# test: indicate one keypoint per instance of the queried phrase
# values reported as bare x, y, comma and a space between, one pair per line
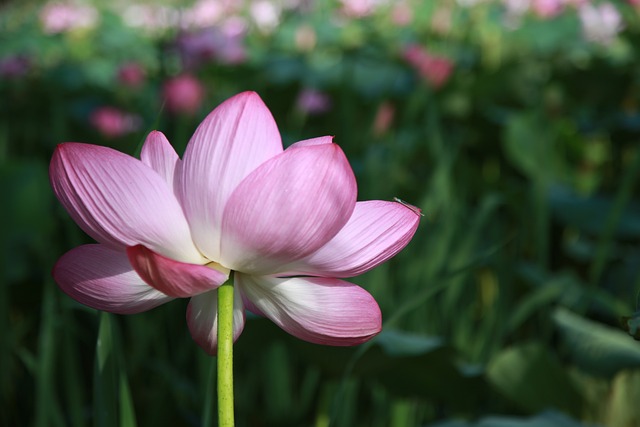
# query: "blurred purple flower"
183, 94
14, 66
435, 69
224, 44
131, 74
312, 101
112, 122
600, 23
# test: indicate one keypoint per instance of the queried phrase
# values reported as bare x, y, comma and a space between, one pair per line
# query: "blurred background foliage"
514, 125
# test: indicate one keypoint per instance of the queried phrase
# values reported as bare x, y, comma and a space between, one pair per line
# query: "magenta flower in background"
286, 222
112, 122
183, 94
131, 74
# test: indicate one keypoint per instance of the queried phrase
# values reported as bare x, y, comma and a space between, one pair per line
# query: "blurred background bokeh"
513, 124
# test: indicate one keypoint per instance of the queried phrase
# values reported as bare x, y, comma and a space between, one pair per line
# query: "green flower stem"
225, 355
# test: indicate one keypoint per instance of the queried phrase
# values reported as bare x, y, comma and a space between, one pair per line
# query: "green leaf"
590, 214
545, 419
406, 364
528, 144
534, 379
595, 347
105, 376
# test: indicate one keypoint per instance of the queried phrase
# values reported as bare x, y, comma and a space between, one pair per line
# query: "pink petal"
287, 208
173, 278
101, 277
202, 319
318, 310
238, 136
376, 231
159, 155
313, 141
119, 201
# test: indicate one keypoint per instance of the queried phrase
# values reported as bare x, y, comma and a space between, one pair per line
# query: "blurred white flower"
470, 3
63, 17
203, 13
150, 17
601, 23
265, 14
548, 8
514, 9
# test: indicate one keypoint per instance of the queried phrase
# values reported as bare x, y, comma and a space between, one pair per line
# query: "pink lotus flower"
285, 222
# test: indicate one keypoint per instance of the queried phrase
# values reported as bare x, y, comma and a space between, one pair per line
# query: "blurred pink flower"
63, 17
285, 222
204, 13
305, 38
384, 118
183, 94
433, 68
441, 21
547, 8
600, 23
312, 101
358, 8
131, 74
401, 14
575, 3
112, 122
